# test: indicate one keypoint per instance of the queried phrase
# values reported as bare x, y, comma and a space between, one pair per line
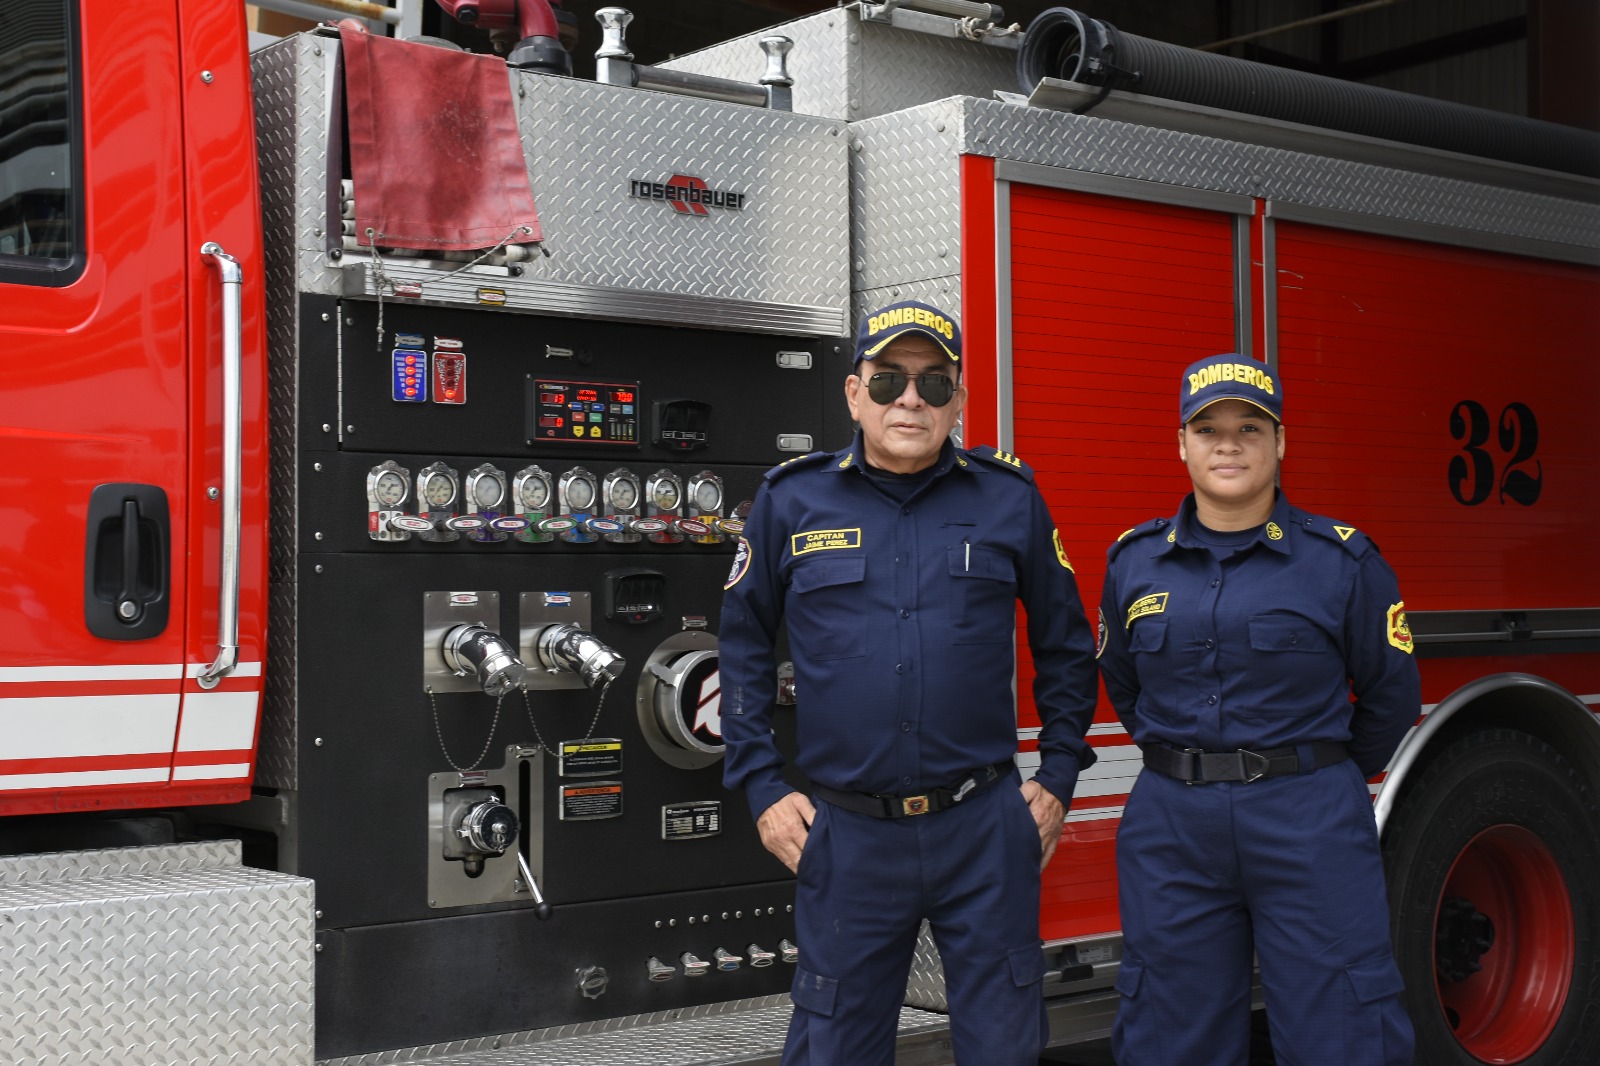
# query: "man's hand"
1048, 814
784, 826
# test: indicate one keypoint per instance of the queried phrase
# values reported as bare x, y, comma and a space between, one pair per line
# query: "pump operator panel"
513, 533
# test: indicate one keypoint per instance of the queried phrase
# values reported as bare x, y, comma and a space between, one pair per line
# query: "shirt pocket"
984, 586
829, 595
1280, 634
1147, 638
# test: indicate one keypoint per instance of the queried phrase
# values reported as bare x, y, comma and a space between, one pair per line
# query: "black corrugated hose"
1062, 43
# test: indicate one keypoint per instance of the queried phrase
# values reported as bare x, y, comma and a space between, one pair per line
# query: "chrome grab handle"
232, 279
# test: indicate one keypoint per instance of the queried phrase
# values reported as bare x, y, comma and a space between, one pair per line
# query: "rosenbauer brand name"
1243, 373
909, 316
686, 194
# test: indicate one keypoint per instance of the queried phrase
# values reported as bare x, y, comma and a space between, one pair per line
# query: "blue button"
1211, 699
904, 613
899, 668
905, 727
1211, 643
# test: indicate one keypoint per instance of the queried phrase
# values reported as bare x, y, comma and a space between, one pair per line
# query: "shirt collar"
1274, 534
855, 457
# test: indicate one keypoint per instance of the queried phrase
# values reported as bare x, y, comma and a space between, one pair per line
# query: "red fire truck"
358, 675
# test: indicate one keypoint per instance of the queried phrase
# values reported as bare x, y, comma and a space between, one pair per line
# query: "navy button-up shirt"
901, 615
1262, 648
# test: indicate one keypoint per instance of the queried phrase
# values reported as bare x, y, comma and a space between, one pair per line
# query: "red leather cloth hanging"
435, 157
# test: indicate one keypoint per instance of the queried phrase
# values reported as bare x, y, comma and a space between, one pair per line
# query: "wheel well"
1522, 702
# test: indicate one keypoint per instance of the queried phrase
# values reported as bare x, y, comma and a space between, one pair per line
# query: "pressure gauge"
705, 503
579, 494
438, 490
388, 485
663, 500
621, 494
486, 498
532, 493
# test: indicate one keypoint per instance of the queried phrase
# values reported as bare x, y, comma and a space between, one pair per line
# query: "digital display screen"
583, 412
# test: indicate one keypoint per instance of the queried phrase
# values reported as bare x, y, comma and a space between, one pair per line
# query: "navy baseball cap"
1230, 376
888, 323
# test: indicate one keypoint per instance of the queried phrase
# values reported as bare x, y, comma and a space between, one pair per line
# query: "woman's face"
1232, 450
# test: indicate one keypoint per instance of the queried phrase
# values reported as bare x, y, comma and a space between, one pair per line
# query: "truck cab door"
101, 487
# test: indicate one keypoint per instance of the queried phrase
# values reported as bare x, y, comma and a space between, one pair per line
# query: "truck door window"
40, 232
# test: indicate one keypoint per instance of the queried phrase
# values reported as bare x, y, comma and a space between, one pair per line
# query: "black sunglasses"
886, 386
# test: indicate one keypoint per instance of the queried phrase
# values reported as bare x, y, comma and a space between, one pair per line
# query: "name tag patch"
1154, 603
823, 540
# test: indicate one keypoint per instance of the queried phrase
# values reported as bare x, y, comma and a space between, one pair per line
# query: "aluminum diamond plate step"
721, 1035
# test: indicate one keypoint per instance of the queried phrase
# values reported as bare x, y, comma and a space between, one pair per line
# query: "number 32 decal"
1472, 474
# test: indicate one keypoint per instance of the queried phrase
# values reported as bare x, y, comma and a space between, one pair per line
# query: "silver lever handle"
232, 279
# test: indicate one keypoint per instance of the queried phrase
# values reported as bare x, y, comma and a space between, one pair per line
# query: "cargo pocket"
814, 993
1027, 964
1377, 1030
828, 590
1136, 1037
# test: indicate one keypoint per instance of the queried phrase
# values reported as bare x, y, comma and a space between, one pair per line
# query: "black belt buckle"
1252, 767
1194, 777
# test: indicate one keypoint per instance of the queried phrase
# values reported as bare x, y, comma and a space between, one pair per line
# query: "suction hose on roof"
1065, 44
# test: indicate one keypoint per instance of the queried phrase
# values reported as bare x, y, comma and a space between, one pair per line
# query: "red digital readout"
621, 395
588, 395
557, 398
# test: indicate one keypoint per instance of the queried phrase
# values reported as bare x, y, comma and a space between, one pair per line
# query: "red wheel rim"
1506, 1011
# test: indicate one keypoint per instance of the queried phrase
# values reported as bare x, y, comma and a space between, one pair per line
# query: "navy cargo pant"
865, 884
1288, 867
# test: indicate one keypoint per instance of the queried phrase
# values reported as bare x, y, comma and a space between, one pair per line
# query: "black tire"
1488, 787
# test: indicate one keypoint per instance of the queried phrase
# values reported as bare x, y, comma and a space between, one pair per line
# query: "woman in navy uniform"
896, 566
1259, 656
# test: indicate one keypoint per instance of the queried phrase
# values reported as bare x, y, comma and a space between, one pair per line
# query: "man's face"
904, 435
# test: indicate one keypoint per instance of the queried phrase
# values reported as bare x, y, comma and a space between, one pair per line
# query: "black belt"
882, 805
1195, 767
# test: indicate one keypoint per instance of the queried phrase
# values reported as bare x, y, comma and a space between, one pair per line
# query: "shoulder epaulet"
1355, 542
790, 465
1004, 460
1143, 529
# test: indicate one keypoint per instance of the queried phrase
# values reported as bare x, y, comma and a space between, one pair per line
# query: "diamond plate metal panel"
905, 193
925, 988
718, 1033
289, 102
849, 69
155, 957
585, 142
1102, 146
777, 265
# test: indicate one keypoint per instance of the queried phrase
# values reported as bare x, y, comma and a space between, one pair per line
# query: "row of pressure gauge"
536, 506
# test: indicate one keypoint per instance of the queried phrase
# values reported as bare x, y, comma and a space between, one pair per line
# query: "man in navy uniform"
1259, 656
896, 565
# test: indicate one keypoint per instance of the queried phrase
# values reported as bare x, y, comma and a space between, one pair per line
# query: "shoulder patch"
1143, 529
790, 465
1004, 460
1354, 541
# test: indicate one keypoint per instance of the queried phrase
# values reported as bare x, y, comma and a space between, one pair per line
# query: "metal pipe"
318, 10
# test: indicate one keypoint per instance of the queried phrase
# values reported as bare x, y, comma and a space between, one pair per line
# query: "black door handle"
126, 587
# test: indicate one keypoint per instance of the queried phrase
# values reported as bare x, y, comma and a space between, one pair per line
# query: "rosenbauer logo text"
688, 196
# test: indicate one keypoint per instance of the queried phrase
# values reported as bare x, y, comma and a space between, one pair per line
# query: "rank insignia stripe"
823, 540
1344, 532
1155, 603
